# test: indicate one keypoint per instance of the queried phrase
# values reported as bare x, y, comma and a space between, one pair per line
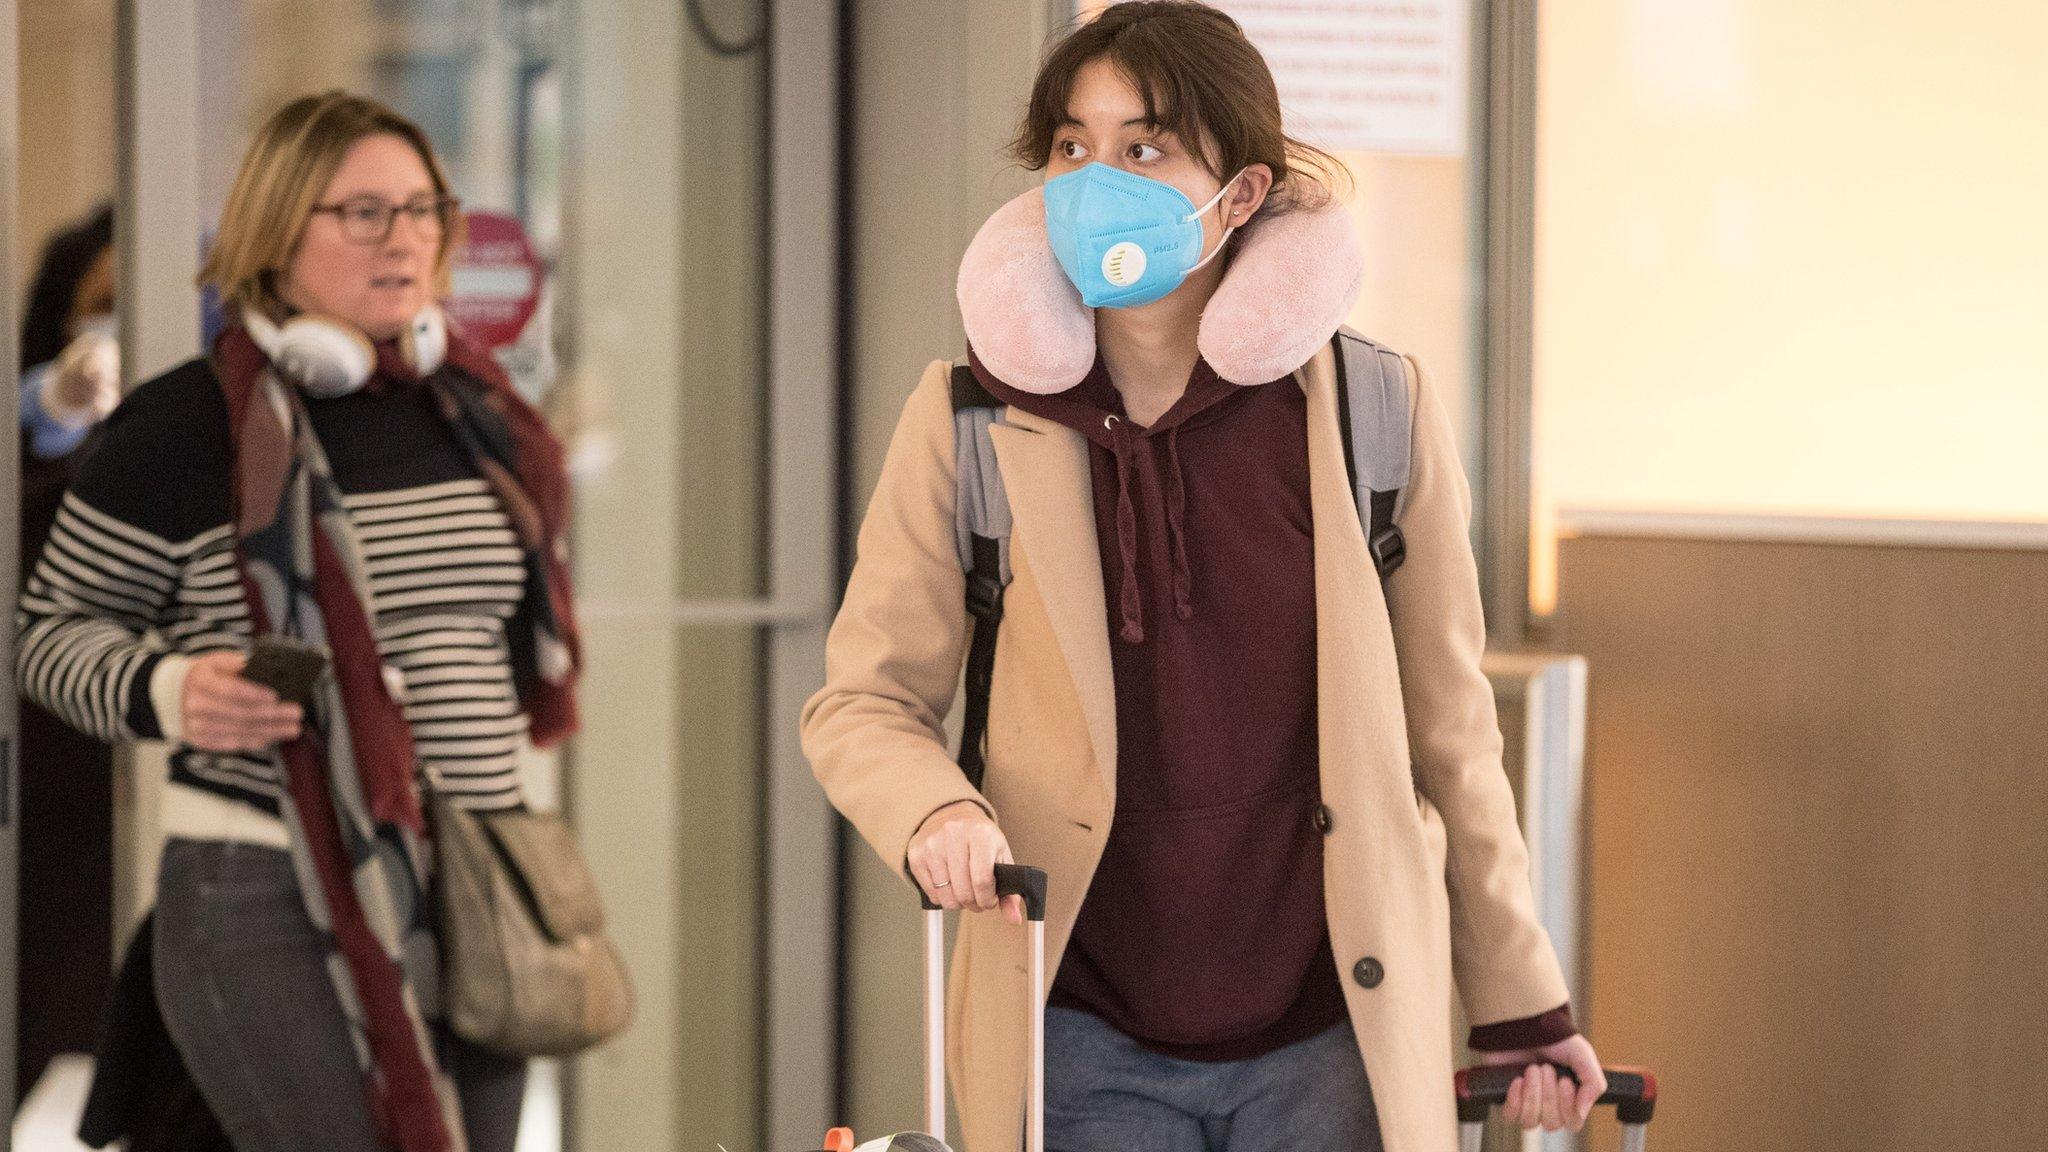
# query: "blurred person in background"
70, 380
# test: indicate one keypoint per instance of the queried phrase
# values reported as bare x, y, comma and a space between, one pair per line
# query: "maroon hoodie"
1203, 935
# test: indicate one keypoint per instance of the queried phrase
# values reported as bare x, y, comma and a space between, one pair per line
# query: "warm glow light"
1790, 259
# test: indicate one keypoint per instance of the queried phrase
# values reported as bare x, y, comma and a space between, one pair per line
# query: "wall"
1787, 290
1423, 274
67, 117
1817, 902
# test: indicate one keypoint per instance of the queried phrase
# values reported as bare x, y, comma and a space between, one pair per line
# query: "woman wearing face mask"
70, 380
1268, 793
70, 365
341, 470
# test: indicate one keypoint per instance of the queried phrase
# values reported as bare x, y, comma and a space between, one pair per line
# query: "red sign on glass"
497, 281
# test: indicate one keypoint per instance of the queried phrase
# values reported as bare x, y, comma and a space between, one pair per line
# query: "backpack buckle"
984, 596
1388, 549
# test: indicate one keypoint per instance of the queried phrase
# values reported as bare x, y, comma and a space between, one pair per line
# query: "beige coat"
1425, 869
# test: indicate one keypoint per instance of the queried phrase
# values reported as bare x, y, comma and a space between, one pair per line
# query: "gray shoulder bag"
529, 969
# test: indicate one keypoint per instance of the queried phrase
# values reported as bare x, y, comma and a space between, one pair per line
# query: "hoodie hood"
1094, 408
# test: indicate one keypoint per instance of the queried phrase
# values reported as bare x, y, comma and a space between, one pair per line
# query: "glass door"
656, 270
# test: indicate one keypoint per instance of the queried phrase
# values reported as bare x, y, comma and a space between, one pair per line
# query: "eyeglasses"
370, 219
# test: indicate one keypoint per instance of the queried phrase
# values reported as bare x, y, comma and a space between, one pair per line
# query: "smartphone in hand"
287, 667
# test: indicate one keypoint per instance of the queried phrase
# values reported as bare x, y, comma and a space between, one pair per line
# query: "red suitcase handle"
1632, 1091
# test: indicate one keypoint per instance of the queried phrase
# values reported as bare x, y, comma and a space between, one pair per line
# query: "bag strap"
1375, 416
981, 528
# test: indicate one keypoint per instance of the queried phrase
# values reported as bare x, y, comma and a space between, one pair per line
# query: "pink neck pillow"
1288, 287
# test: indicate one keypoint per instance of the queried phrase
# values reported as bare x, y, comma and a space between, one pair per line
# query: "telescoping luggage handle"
1632, 1091
1011, 880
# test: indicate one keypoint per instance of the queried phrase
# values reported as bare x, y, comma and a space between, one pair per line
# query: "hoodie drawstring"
1129, 603
1176, 525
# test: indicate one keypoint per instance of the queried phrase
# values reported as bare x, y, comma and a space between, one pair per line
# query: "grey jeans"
242, 983
1104, 1093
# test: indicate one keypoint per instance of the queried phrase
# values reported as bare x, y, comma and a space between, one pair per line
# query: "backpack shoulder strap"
980, 507
967, 391
981, 530
1376, 411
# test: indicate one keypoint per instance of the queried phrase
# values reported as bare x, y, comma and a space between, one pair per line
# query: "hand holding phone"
287, 667
222, 711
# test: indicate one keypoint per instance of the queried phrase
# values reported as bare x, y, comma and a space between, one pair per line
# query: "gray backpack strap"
1376, 412
980, 507
981, 530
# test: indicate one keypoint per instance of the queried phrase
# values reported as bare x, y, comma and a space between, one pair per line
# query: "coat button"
1368, 973
1323, 819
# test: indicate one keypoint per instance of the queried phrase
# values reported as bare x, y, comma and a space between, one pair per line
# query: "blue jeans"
1104, 1093
241, 981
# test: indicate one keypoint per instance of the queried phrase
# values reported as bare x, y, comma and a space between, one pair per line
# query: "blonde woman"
343, 472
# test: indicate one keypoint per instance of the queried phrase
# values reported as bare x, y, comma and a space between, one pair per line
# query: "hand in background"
86, 383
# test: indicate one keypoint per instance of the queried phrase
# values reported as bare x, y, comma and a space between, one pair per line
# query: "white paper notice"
1366, 75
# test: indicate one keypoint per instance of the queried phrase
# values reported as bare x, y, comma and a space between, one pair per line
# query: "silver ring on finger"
942, 883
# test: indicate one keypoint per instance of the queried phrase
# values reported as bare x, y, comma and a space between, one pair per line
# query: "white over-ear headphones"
330, 358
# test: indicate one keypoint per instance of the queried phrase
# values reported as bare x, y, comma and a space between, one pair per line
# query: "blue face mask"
1125, 239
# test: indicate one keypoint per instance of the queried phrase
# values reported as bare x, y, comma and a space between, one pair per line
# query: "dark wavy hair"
69, 254
1201, 80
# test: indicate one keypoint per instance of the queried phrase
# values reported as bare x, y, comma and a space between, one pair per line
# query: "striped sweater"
138, 577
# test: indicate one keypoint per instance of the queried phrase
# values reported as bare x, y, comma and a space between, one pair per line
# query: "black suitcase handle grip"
1011, 880
1632, 1091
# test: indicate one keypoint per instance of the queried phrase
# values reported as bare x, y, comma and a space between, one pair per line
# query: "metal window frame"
1508, 320
156, 244
1546, 695
800, 1050
10, 543
156, 219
